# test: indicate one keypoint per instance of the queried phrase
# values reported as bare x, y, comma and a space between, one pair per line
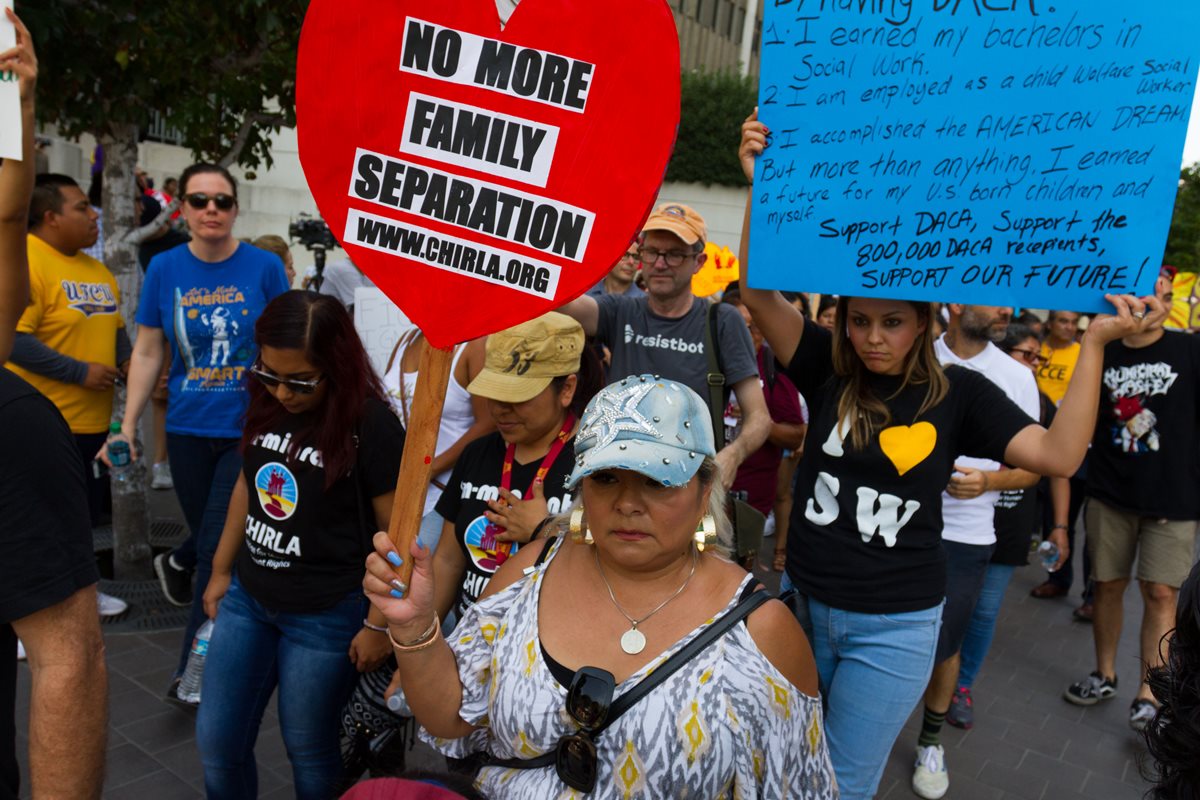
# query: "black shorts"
966, 568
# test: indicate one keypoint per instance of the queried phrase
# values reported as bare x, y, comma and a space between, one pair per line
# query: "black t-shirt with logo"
1144, 456
476, 480
304, 544
1017, 511
867, 524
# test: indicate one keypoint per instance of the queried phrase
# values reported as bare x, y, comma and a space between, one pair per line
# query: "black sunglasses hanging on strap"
574, 757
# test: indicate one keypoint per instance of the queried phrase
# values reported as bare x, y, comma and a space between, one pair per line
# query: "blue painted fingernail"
399, 595
394, 559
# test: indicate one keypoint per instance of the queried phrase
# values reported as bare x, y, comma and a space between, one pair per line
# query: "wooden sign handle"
420, 444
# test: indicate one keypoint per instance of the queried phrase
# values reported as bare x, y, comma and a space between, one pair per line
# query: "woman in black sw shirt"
321, 451
537, 378
865, 546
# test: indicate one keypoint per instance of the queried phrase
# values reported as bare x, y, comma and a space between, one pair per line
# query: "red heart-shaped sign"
481, 177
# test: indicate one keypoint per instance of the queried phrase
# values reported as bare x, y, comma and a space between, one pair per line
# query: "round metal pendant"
633, 641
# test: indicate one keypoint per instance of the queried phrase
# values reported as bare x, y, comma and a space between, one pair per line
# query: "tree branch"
252, 120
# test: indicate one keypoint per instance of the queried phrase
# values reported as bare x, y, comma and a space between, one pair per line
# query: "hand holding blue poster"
1023, 152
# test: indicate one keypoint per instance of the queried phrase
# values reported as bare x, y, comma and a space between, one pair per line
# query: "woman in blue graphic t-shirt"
201, 298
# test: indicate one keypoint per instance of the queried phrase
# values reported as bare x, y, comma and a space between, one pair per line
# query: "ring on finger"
1139, 314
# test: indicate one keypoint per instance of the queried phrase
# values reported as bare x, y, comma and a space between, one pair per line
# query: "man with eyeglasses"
664, 332
622, 278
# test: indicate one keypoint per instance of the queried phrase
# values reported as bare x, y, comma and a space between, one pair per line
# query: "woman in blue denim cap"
540, 672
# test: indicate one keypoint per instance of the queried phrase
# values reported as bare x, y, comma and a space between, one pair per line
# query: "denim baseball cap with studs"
647, 424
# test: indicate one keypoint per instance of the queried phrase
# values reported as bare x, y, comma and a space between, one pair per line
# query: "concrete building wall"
710, 33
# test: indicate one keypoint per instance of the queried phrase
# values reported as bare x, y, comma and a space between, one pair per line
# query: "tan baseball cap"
681, 220
522, 360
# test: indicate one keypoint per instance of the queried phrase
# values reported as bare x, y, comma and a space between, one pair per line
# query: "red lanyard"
560, 441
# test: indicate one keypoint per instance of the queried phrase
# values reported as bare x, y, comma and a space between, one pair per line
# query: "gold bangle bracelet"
421, 642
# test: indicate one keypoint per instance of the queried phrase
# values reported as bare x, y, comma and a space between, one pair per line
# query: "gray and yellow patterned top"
728, 724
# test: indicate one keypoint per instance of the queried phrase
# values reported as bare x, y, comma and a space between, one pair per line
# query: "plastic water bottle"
398, 704
189, 685
1048, 553
118, 452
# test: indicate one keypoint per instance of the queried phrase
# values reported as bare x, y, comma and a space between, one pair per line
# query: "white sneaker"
111, 606
769, 527
161, 476
930, 778
20, 650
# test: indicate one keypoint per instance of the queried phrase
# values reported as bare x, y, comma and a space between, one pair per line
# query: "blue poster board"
1000, 152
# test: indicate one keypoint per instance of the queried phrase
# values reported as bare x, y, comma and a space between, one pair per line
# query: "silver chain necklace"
633, 641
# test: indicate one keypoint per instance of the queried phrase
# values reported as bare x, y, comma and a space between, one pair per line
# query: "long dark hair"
588, 381
858, 403
319, 326
1173, 736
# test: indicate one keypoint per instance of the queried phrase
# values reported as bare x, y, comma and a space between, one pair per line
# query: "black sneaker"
1141, 714
1091, 690
176, 582
173, 695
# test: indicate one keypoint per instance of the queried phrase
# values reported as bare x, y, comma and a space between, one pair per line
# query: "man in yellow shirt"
1060, 351
71, 343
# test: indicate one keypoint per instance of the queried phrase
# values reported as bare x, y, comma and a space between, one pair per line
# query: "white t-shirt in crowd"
972, 521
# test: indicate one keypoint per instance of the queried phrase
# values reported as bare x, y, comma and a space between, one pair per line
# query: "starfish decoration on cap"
617, 412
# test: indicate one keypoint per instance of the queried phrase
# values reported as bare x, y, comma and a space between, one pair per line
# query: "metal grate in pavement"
148, 608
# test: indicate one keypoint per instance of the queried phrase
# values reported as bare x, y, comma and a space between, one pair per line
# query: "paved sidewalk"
1027, 742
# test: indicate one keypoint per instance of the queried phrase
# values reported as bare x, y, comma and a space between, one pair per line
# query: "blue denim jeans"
306, 655
873, 670
204, 470
982, 626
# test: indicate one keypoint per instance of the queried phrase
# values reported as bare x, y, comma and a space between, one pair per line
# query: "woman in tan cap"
537, 378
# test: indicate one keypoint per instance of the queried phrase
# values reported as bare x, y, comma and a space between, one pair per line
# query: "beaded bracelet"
421, 642
377, 628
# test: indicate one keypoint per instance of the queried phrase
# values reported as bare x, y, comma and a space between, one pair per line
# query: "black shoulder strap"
716, 377
745, 607
545, 552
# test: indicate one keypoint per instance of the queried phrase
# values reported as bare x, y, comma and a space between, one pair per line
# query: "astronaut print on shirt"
214, 337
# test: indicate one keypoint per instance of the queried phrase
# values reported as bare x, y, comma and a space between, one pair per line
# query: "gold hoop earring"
706, 532
580, 532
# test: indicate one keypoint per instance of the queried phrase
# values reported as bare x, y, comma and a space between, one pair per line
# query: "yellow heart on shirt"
906, 446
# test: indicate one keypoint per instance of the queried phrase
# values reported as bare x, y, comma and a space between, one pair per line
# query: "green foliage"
712, 108
1183, 242
222, 73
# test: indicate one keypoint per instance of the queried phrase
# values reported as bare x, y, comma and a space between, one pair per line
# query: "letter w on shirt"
885, 518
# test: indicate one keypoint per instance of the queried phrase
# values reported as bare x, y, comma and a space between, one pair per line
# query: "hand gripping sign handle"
420, 442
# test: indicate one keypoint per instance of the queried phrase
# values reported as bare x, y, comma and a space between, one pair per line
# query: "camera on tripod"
314, 234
